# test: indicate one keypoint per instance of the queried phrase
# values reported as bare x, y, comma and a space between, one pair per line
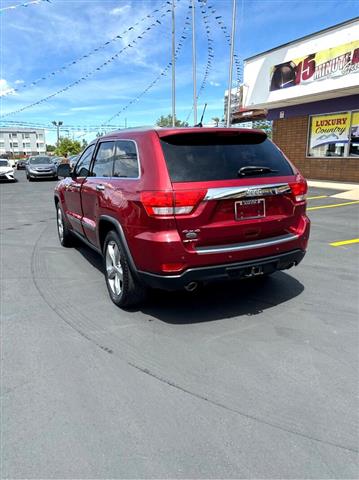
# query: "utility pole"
229, 100
173, 66
194, 63
57, 125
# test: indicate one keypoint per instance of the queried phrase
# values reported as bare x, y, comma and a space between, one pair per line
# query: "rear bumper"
245, 269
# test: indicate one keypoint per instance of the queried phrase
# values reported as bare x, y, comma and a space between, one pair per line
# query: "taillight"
299, 189
162, 203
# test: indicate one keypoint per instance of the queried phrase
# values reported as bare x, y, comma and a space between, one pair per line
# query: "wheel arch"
105, 225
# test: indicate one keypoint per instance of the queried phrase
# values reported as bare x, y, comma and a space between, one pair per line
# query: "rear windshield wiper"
255, 170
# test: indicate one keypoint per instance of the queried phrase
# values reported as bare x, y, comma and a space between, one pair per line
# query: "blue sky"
43, 37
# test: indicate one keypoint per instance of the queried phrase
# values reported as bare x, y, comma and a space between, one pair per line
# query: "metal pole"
173, 66
229, 100
58, 133
194, 63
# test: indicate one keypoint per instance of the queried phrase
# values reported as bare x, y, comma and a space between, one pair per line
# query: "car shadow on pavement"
218, 301
214, 301
90, 255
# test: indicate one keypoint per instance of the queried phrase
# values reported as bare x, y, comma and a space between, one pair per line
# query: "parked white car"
6, 170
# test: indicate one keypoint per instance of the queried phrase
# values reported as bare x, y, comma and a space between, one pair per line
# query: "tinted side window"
83, 165
104, 160
126, 162
205, 157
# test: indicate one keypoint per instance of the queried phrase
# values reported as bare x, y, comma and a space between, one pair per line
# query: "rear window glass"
206, 157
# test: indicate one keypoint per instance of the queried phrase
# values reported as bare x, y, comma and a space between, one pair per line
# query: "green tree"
265, 125
68, 146
167, 122
216, 120
84, 144
50, 148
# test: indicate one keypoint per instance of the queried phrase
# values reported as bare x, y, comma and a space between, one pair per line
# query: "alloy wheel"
60, 224
114, 268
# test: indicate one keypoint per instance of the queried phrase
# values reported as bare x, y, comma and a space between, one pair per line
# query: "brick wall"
290, 134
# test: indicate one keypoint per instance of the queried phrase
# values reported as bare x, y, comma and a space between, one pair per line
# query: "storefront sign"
332, 62
327, 129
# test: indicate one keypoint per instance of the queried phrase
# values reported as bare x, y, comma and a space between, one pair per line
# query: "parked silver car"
40, 167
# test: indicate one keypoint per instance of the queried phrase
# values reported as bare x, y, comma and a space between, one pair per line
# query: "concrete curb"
332, 185
350, 190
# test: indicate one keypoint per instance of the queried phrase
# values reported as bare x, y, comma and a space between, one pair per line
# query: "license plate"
248, 209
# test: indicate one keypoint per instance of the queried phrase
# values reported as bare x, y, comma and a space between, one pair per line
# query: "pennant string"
183, 36
76, 82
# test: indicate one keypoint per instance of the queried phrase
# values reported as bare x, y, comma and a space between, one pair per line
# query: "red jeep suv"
174, 207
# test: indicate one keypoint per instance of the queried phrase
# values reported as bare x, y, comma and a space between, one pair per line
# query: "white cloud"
5, 88
18, 82
214, 84
120, 10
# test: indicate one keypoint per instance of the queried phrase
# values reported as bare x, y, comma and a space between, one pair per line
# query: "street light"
57, 125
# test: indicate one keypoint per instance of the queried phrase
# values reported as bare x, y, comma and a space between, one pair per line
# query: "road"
256, 379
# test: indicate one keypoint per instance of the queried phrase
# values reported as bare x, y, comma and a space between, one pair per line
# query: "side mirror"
64, 170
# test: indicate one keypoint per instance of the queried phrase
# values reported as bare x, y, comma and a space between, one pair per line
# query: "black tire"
123, 287
66, 238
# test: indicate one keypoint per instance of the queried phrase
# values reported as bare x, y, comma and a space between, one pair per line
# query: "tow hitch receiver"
254, 271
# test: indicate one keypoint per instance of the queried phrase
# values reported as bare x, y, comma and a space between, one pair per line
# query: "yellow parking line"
345, 242
334, 205
319, 196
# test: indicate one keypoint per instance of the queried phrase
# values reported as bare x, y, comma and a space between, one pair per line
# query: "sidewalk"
350, 190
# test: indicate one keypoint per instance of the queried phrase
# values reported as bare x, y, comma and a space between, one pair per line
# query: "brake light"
162, 203
299, 190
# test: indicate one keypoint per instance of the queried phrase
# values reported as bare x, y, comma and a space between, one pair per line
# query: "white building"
22, 141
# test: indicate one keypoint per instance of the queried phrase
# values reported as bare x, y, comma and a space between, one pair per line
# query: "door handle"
100, 187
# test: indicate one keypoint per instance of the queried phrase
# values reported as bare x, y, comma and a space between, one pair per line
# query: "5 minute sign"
332, 62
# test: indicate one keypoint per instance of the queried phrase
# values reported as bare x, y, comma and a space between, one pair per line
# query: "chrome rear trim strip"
247, 191
247, 245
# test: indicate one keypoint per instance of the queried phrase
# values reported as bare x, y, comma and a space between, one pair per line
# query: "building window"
354, 135
39, 136
25, 135
329, 135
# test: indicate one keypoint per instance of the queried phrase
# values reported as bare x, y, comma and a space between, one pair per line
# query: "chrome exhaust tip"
191, 286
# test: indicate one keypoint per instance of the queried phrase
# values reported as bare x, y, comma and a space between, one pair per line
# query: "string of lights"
91, 72
163, 73
89, 53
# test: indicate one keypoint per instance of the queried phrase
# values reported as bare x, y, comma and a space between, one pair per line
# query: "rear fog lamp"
172, 267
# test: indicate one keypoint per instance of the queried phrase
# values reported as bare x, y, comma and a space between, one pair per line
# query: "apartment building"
16, 142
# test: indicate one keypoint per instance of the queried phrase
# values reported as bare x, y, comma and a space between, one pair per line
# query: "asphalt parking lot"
254, 379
